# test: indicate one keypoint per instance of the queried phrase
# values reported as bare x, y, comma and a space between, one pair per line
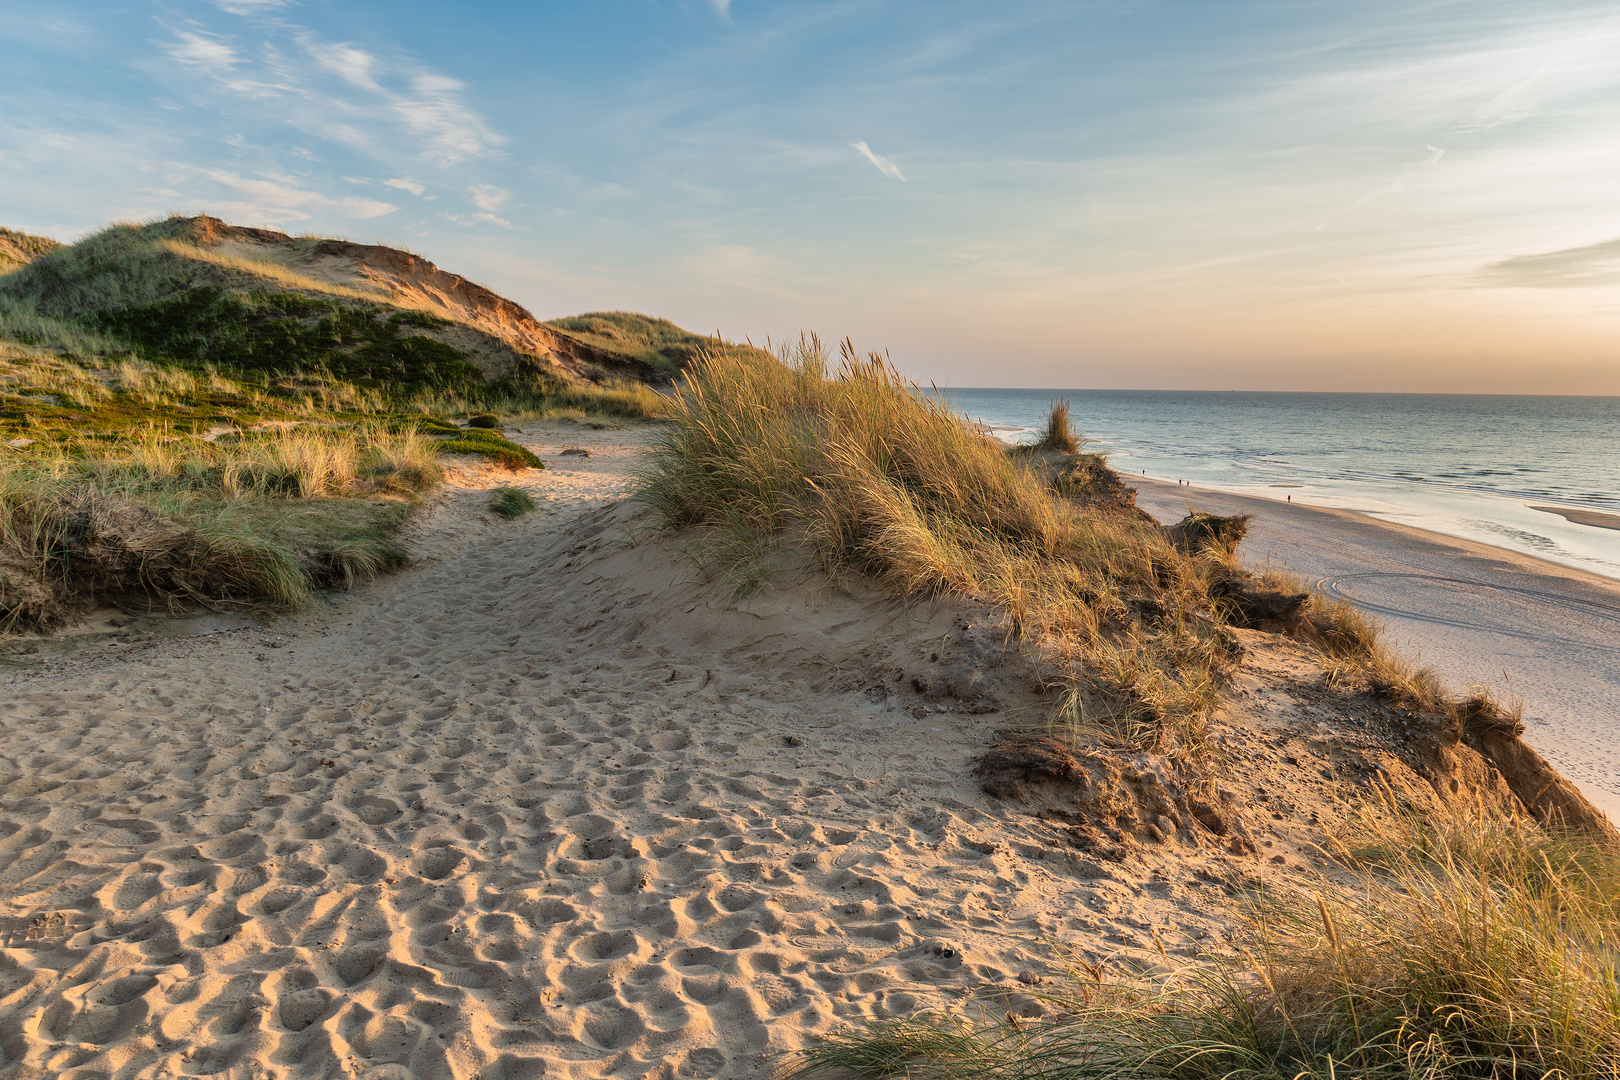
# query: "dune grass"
868, 476
511, 503
1464, 946
545, 397
254, 518
1058, 436
1356, 657
18, 249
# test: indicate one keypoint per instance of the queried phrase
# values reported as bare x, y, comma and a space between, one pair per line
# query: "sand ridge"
547, 805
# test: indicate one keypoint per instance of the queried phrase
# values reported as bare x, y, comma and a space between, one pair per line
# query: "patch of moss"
423, 423
492, 446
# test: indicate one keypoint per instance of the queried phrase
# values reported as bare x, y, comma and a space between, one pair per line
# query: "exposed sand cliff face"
409, 281
550, 805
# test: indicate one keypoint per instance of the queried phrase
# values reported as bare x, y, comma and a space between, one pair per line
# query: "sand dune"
547, 805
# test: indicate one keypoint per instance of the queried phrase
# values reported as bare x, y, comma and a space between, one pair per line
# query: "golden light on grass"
875, 478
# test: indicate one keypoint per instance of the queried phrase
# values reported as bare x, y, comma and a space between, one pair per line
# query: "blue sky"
1370, 195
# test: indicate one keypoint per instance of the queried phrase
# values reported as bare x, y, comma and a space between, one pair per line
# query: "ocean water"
1466, 465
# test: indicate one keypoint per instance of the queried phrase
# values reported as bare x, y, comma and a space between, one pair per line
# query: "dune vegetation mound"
659, 343
225, 380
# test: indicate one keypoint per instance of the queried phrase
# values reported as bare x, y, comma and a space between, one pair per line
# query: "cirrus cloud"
884, 165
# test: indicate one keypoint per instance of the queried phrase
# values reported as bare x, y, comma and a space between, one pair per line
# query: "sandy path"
477, 820
1471, 612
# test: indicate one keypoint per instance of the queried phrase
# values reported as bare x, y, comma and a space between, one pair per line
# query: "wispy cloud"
884, 165
202, 51
433, 110
405, 185
1570, 268
723, 7
354, 66
249, 7
278, 199
488, 197
343, 92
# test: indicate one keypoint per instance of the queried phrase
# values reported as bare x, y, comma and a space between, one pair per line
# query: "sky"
1300, 195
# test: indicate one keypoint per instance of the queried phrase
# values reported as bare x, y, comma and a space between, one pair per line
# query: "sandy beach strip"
1531, 629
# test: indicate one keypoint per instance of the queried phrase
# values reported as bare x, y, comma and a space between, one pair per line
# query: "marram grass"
511, 503
251, 518
869, 476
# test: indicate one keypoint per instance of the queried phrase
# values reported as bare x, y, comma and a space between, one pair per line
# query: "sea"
1465, 465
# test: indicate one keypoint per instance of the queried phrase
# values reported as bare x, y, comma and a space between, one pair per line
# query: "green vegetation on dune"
492, 445
153, 291
252, 518
656, 342
187, 421
282, 333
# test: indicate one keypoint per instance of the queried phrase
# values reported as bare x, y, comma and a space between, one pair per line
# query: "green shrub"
511, 503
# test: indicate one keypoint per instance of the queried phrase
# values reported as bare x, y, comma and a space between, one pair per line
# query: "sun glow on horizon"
1248, 195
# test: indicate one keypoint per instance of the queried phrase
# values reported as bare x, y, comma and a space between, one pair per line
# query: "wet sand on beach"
1595, 518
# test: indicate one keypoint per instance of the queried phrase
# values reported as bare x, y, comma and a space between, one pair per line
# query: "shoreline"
1596, 519
1480, 615
1434, 535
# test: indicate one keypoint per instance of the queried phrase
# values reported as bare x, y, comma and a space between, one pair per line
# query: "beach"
1479, 615
549, 803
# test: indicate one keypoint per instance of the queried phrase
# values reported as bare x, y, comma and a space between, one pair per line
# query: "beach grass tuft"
254, 518
511, 503
1058, 435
